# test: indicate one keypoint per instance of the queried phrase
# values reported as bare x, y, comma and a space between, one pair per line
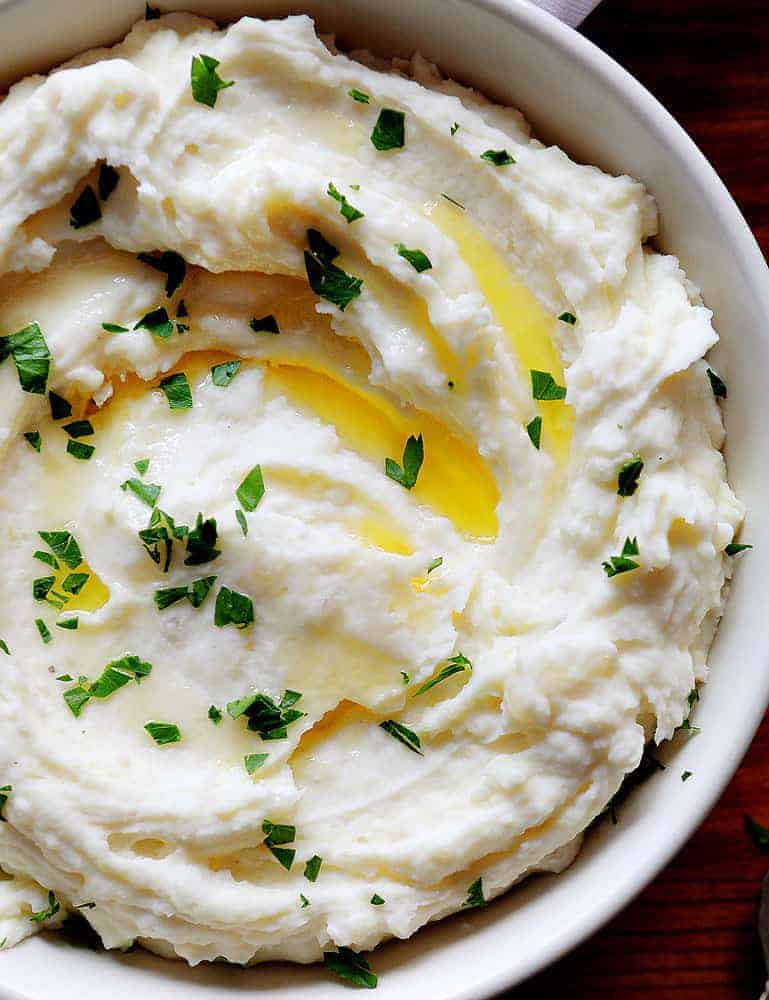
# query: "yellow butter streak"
526, 324
93, 596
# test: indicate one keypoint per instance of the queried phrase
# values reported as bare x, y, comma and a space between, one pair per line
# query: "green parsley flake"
759, 834
176, 389
253, 761
389, 130
34, 438
172, 265
413, 456
223, 374
455, 665
499, 157
351, 967
64, 677
158, 537
534, 430
86, 209
567, 317
434, 564
241, 519
80, 451
233, 609
74, 583
157, 322
267, 324
201, 542
142, 465
79, 428
405, 677
628, 475
41, 586
454, 128
417, 258
163, 732
312, 868
4, 647
206, 82
376, 900
114, 328
621, 563
195, 593
146, 492
215, 715
358, 95
305, 900
108, 181
264, 717
5, 791
475, 897
64, 546
50, 911
277, 835
349, 212
717, 385
686, 775
30, 355
251, 490
544, 386
42, 628
68, 623
405, 736
326, 279
733, 548
115, 675
60, 408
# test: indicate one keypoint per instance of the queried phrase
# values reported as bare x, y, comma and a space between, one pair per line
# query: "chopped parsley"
79, 428
70, 624
108, 180
405, 736
417, 258
351, 967
74, 583
5, 791
251, 490
64, 546
348, 211
30, 355
233, 608
42, 628
201, 542
64, 677
79, 450
413, 456
434, 564
325, 278
277, 835
205, 81
454, 128
312, 868
567, 317
50, 910
733, 548
376, 900
173, 266
115, 675
147, 492
685, 775
159, 535
41, 586
195, 593
86, 209
34, 438
176, 389
389, 130
114, 328
358, 95
60, 408
4, 647
628, 475
163, 732
157, 322
240, 517
544, 386
453, 201
622, 563
405, 677
534, 430
475, 895
758, 833
267, 324
264, 717
142, 465
305, 900
499, 157
717, 385
253, 761
215, 715
455, 665
223, 374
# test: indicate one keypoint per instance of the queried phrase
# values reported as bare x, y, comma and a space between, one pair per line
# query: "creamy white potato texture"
250, 300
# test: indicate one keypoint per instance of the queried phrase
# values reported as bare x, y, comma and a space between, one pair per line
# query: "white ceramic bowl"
576, 96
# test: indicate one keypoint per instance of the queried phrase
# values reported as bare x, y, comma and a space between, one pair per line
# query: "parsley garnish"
108, 178
376, 900
176, 389
253, 761
267, 324
115, 675
417, 258
163, 732
50, 911
627, 478
160, 533
42, 628
734, 547
621, 563
157, 322
114, 328
74, 583
215, 715
80, 451
251, 490
224, 373
5, 791
349, 212
567, 317
60, 408
358, 95
4, 647
499, 157
717, 385
453, 201
389, 130
233, 608
70, 624
79, 428
434, 564
405, 677
201, 542
63, 545
325, 278
142, 465
86, 209
455, 665
454, 128
195, 593
172, 265
534, 430
31, 357
413, 456
240, 517
206, 82
759, 834
312, 868
686, 775
544, 386
278, 834
34, 438
350, 966
475, 895
271, 721
305, 900
147, 492
405, 736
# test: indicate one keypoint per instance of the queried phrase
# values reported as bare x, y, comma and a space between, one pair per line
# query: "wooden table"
692, 934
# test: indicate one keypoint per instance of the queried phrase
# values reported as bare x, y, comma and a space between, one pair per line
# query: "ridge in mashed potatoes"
363, 507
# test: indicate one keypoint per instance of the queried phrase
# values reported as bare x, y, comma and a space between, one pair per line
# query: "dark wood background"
692, 934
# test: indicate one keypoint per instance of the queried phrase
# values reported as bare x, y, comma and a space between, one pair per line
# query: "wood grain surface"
692, 934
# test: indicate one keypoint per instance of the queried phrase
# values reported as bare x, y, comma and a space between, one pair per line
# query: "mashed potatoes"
362, 511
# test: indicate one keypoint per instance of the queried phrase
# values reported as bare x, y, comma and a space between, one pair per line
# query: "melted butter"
382, 534
527, 326
93, 596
